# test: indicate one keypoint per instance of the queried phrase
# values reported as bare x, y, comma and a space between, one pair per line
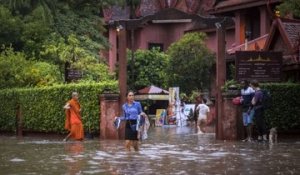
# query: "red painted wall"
212, 40
159, 33
165, 34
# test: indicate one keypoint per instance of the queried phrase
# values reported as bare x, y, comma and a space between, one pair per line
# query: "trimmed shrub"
8, 107
42, 108
284, 112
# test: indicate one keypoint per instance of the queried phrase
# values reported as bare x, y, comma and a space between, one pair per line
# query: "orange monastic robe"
73, 120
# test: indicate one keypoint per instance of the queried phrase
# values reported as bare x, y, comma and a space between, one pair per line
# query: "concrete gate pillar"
228, 115
109, 107
231, 124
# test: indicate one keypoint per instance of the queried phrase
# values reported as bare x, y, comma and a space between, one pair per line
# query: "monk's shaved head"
74, 94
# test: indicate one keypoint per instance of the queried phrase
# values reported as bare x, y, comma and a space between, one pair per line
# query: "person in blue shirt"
132, 112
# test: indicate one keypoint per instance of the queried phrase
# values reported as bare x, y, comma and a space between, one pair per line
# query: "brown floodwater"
168, 150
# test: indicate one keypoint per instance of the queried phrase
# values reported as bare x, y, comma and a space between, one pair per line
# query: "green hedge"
284, 112
8, 106
42, 108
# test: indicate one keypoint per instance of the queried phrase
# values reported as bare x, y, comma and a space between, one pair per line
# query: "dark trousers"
130, 133
260, 121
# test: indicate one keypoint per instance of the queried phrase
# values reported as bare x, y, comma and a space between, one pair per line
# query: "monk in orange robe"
73, 121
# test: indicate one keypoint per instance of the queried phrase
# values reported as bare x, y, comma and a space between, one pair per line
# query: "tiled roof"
153, 90
168, 14
148, 7
228, 3
116, 13
289, 30
232, 5
172, 13
293, 32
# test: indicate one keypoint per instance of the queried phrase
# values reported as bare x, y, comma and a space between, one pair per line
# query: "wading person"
202, 118
132, 112
196, 112
247, 93
73, 121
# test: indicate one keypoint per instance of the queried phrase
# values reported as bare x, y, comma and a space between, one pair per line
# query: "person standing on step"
259, 111
247, 93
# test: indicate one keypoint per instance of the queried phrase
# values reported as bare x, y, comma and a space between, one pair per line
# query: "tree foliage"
11, 26
35, 31
147, 67
17, 71
39, 18
70, 51
190, 63
54, 33
82, 19
290, 6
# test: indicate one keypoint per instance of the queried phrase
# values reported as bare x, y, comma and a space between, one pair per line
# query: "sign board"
174, 95
188, 108
260, 65
160, 117
73, 74
189, 111
152, 97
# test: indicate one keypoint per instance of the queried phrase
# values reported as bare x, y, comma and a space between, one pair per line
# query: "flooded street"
168, 150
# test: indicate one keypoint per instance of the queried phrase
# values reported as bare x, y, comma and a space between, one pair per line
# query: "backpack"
247, 100
266, 99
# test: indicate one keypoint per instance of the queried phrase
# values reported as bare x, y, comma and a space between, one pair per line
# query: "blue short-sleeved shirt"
131, 112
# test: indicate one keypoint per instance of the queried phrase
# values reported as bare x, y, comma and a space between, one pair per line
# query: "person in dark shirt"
259, 111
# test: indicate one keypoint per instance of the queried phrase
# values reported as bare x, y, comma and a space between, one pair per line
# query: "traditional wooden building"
159, 23
284, 36
250, 25
252, 22
258, 28
253, 18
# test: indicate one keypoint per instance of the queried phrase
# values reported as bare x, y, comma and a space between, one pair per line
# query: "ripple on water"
218, 154
188, 158
97, 171
181, 172
17, 160
91, 162
159, 146
42, 142
102, 155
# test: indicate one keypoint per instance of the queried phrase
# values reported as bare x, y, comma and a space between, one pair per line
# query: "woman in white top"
247, 93
202, 118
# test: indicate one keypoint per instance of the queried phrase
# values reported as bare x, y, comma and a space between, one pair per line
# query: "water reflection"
169, 150
74, 160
